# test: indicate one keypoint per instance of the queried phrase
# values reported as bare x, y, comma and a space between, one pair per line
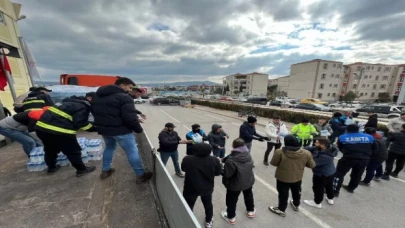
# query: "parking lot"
380, 205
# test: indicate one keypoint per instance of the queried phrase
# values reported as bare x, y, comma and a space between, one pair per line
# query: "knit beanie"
251, 119
291, 141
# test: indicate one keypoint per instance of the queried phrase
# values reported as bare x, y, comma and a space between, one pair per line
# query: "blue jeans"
373, 167
175, 158
219, 153
128, 143
24, 138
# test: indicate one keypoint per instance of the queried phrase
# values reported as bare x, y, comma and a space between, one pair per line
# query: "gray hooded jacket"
238, 170
217, 139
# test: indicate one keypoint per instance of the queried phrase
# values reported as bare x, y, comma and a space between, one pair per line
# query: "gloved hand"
266, 138
260, 140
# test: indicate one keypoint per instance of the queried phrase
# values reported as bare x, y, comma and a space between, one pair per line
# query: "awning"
10, 51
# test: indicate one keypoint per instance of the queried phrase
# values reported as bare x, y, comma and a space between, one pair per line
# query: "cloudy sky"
187, 40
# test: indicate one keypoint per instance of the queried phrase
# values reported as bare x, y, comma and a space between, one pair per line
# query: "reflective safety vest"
33, 103
68, 126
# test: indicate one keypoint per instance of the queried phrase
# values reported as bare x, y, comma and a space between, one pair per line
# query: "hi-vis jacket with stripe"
36, 101
66, 118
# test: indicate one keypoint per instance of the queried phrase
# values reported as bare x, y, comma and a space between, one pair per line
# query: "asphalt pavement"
380, 205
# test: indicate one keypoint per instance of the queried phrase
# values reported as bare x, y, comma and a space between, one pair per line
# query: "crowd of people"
314, 146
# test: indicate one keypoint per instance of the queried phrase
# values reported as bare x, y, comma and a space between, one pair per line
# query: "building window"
387, 69
335, 85
325, 66
383, 86
321, 86
375, 86
330, 85
334, 66
368, 67
401, 79
328, 94
361, 94
377, 77
372, 67
332, 75
372, 94
379, 69
323, 76
368, 85
333, 94
385, 78
366, 94
339, 65
365, 77
358, 67
363, 86
319, 95
2, 19
337, 76
354, 86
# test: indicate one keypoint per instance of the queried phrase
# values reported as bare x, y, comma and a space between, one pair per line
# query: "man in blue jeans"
217, 139
116, 120
169, 142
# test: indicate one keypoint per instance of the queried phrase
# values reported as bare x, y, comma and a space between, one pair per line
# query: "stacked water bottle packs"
36, 161
82, 142
94, 149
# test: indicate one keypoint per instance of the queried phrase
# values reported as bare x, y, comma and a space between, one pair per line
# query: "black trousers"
389, 164
232, 200
283, 189
320, 185
67, 144
344, 166
206, 200
305, 142
270, 147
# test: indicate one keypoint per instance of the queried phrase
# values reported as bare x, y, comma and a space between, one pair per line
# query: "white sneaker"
313, 204
330, 201
209, 224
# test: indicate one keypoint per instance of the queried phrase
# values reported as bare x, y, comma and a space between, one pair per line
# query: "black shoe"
394, 175
336, 194
347, 188
88, 169
54, 170
266, 163
385, 177
364, 184
144, 178
106, 174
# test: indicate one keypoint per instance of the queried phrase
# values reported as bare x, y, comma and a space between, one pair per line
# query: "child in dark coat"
201, 169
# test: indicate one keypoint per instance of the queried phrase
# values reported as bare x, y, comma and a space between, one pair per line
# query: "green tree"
281, 93
218, 91
384, 97
349, 96
240, 89
226, 89
271, 90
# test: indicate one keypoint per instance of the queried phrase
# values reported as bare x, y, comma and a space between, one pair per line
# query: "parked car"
226, 99
382, 110
165, 101
139, 100
315, 107
353, 104
313, 101
257, 100
282, 104
242, 99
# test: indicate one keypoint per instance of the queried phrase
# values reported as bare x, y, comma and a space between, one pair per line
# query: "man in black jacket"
201, 169
217, 139
196, 135
238, 177
169, 142
116, 120
247, 132
372, 120
380, 155
57, 129
36, 100
396, 153
357, 149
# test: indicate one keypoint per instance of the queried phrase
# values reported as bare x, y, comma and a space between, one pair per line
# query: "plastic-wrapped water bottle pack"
91, 150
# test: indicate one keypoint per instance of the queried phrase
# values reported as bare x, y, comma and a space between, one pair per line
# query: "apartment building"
368, 80
9, 42
282, 83
247, 84
315, 79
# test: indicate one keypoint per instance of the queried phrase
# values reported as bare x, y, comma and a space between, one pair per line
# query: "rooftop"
318, 60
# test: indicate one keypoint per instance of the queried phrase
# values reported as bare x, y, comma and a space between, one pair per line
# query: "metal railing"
172, 207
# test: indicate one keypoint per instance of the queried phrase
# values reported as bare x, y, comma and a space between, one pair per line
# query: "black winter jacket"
357, 145
217, 139
397, 140
324, 160
114, 112
238, 170
337, 127
381, 153
372, 121
66, 118
200, 169
31, 101
168, 141
189, 136
24, 119
248, 133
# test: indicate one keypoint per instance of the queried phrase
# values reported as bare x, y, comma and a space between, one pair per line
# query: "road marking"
303, 210
186, 127
169, 115
208, 115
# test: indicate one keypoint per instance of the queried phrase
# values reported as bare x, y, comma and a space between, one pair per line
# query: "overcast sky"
185, 40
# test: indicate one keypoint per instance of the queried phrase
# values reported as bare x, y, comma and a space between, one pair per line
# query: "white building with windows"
369, 80
247, 84
317, 78
282, 83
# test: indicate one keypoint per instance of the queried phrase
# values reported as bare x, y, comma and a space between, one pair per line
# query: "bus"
87, 79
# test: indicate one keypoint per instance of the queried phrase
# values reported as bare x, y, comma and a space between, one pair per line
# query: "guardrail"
172, 208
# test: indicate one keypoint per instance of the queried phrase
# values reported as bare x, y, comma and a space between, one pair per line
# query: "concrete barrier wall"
172, 208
